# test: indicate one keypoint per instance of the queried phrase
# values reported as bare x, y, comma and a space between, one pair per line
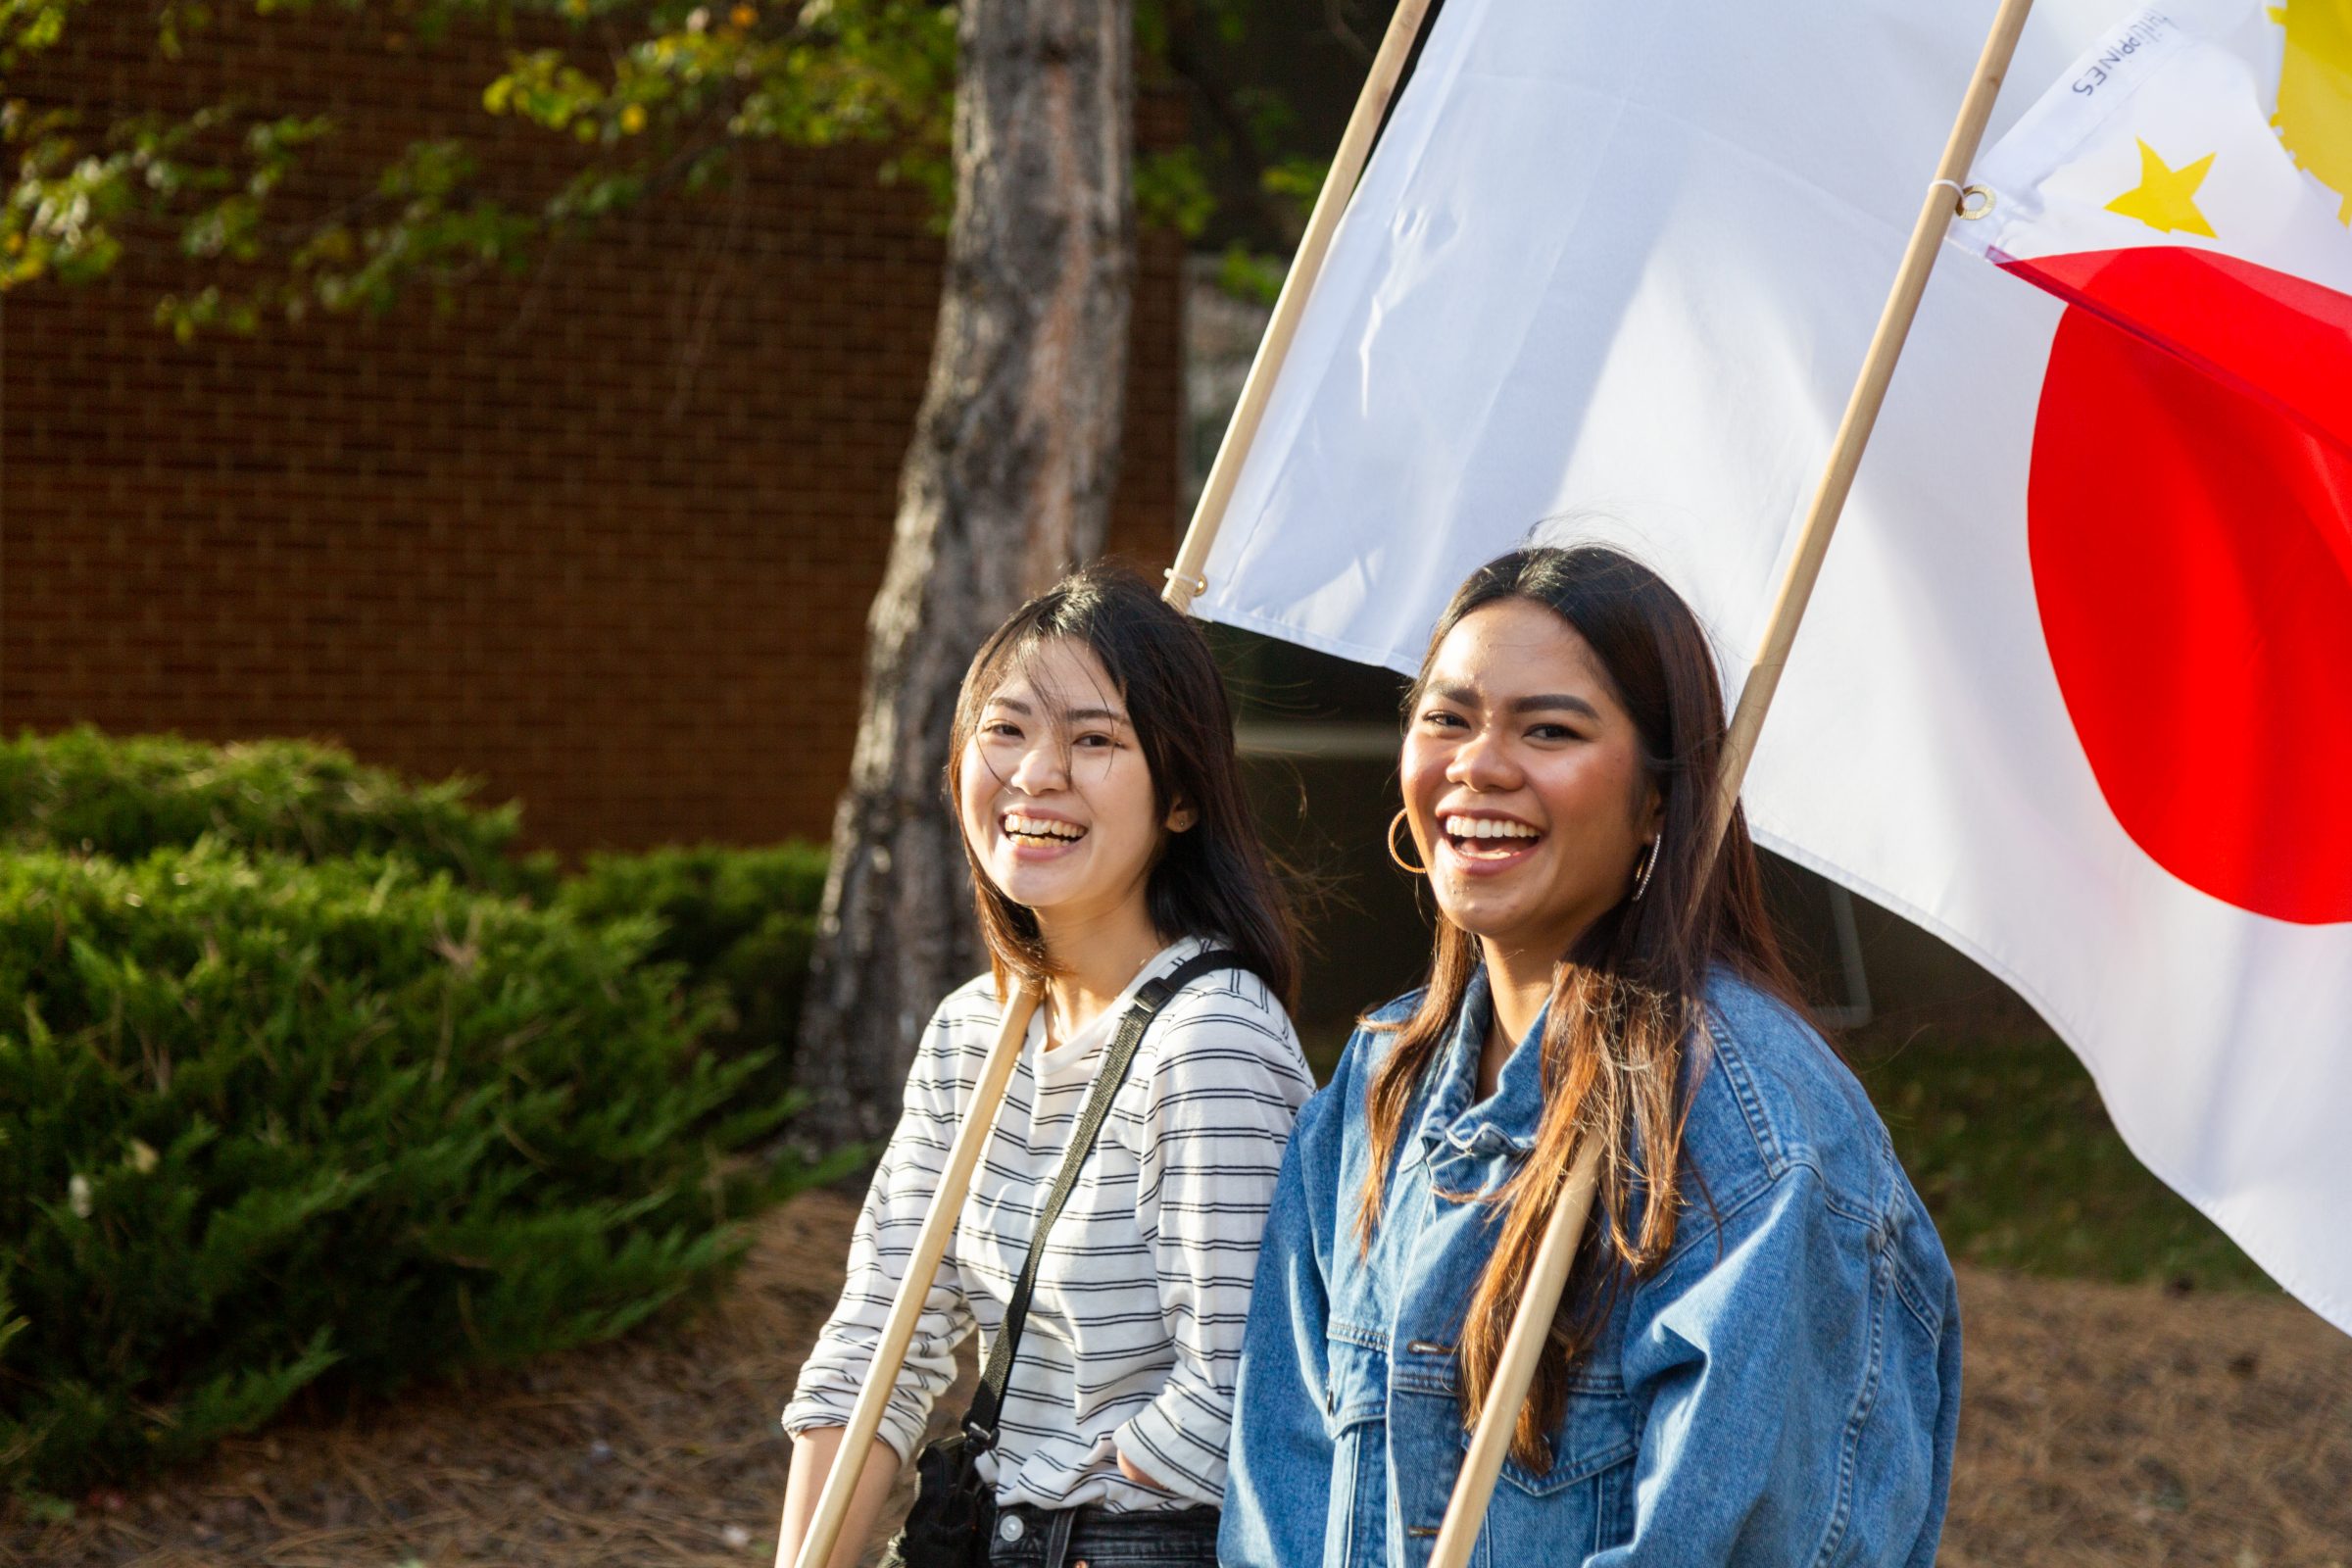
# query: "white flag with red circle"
2076, 688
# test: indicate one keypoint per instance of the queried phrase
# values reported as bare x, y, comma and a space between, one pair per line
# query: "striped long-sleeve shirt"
1135, 1325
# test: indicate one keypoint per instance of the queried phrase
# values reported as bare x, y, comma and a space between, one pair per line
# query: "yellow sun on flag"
2315, 92
2166, 197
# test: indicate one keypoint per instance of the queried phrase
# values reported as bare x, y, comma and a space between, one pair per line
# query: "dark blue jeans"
1092, 1538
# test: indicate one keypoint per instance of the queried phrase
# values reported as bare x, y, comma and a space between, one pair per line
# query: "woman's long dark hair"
1213, 879
1625, 998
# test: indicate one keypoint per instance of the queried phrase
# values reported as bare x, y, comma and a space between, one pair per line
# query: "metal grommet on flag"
1191, 584
1971, 202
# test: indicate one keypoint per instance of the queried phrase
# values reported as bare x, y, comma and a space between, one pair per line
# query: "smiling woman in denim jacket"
1757, 1359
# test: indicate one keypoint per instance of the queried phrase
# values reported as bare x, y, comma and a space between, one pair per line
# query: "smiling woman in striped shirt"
1102, 808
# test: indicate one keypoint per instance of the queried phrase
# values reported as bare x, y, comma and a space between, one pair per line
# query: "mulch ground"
2102, 1425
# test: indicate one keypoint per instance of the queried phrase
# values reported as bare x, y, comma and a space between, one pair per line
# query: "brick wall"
603, 537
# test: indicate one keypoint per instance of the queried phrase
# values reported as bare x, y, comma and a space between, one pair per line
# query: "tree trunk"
1007, 485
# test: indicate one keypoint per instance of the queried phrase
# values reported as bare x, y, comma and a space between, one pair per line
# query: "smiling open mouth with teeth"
1488, 837
1040, 829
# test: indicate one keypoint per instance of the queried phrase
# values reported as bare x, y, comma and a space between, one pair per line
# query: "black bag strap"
988, 1404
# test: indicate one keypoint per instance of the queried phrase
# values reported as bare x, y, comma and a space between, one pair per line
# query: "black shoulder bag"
955, 1510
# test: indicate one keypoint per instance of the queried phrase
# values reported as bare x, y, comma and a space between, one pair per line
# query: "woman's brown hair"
1213, 879
1625, 997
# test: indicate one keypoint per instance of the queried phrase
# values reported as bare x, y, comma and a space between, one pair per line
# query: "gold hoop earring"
1650, 863
1407, 865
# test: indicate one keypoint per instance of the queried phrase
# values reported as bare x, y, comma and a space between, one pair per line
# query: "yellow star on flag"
2166, 198
2314, 93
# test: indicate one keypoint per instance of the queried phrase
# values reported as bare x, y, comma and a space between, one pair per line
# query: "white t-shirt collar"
1081, 1046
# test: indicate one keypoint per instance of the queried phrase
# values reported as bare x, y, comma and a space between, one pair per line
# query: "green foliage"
322, 1085
652, 96
655, 95
739, 923
1290, 186
1298, 178
2007, 1140
276, 1122
70, 200
29, 27
1249, 276
1171, 191
1260, 126
83, 791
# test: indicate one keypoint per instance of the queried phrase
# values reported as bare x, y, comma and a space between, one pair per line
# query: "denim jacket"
1785, 1389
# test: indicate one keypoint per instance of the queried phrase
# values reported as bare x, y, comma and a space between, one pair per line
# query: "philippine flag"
2076, 688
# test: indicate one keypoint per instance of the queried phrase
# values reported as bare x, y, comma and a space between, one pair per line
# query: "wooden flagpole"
1185, 582
930, 1247
1523, 1345
1945, 197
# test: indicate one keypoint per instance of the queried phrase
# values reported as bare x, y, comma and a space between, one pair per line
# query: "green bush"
273, 1122
739, 922
124, 797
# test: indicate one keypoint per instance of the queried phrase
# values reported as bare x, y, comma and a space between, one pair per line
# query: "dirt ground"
2102, 1425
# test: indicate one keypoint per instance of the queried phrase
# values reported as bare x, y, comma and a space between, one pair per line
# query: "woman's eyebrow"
1547, 701
1068, 716
1539, 702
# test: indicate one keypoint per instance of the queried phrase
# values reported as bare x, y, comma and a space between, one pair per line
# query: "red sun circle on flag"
2189, 521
